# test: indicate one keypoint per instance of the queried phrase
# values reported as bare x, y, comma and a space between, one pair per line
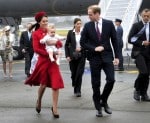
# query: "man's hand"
23, 50
145, 43
99, 49
78, 49
116, 61
68, 59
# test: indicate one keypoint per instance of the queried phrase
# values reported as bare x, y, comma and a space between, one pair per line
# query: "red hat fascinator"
39, 16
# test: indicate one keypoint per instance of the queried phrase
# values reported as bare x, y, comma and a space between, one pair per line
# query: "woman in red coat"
46, 73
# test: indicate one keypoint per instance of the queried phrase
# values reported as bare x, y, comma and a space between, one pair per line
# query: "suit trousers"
120, 58
77, 69
28, 56
142, 81
96, 66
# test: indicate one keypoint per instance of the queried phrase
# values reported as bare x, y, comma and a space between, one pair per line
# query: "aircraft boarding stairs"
127, 11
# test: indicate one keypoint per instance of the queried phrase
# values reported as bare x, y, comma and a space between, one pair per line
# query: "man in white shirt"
26, 47
139, 38
95, 38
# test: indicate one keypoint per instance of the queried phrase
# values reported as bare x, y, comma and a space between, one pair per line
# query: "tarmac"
17, 101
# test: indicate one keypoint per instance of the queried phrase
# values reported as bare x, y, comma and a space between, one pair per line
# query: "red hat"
39, 16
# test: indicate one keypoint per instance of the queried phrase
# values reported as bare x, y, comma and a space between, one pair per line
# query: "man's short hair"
145, 10
118, 20
95, 9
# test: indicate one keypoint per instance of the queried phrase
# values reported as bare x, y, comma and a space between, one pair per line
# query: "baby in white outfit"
51, 48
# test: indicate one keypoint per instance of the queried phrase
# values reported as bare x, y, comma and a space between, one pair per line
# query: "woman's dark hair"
75, 21
36, 26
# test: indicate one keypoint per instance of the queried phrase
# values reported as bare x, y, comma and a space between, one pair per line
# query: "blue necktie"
136, 36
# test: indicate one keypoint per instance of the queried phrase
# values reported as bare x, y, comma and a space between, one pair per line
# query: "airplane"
11, 11
27, 8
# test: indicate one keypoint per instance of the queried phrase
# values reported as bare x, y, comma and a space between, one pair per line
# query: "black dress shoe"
28, 75
99, 113
78, 94
136, 95
145, 98
107, 109
121, 69
54, 115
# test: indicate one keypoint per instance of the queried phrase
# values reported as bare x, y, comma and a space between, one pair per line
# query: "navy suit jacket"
25, 42
89, 40
119, 32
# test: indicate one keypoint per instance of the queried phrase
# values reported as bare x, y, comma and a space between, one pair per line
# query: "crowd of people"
94, 42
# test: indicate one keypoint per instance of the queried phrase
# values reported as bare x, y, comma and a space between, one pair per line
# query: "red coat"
46, 72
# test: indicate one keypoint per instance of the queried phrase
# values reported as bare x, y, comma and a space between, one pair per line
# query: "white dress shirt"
99, 25
147, 31
77, 37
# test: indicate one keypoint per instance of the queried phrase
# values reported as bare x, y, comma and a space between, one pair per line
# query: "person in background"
8, 38
75, 55
95, 38
139, 36
119, 32
2, 54
26, 47
46, 73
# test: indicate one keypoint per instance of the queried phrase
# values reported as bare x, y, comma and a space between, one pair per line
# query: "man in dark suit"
139, 36
95, 38
26, 46
119, 32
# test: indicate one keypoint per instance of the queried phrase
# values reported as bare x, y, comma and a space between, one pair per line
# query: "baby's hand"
59, 52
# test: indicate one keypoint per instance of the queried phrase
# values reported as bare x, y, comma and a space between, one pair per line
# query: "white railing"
127, 12
116, 9
104, 4
129, 18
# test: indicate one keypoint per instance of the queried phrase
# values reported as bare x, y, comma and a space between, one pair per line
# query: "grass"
62, 32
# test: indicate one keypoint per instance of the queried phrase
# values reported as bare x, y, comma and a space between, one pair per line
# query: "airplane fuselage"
26, 8
11, 12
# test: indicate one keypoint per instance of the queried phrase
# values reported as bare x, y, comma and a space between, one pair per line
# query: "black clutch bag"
134, 54
77, 55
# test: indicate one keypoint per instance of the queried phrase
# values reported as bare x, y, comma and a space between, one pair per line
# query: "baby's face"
52, 32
